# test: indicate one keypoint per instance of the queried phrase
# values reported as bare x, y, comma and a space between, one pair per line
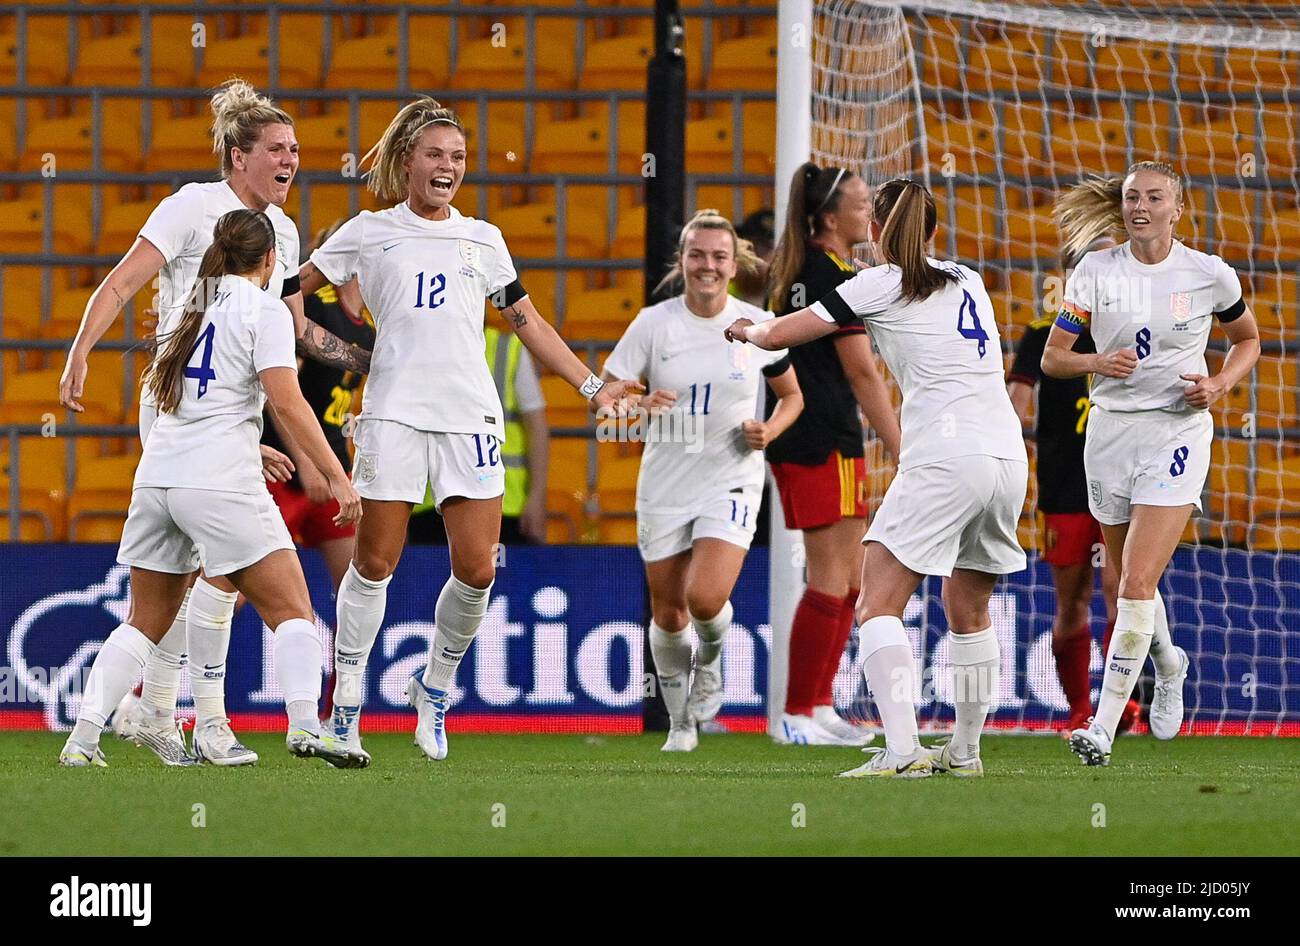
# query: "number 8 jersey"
424, 281
946, 353
1162, 311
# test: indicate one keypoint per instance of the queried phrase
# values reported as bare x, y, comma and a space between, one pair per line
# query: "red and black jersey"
1062, 415
328, 390
829, 421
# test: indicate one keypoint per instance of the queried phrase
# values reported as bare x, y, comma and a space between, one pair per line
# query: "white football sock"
672, 656
113, 673
162, 675
1163, 654
1134, 626
210, 613
975, 683
297, 669
891, 676
710, 632
360, 612
457, 615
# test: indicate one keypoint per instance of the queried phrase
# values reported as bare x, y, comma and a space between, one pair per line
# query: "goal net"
997, 107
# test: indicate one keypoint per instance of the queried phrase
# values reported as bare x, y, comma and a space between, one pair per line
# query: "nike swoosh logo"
390, 246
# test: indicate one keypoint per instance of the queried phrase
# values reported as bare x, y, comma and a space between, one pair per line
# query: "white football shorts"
731, 517
395, 462
1147, 458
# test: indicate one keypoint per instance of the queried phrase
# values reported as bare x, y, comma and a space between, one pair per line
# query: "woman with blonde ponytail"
257, 154
701, 480
199, 494
819, 464
432, 415
1149, 303
953, 508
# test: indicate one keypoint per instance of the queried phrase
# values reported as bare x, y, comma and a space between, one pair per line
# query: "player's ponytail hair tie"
386, 178
905, 212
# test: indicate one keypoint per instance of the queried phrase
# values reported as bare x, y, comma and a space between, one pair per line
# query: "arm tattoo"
121, 303
321, 345
516, 316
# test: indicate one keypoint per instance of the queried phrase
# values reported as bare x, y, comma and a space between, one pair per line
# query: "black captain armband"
839, 309
777, 368
291, 285
1232, 312
507, 296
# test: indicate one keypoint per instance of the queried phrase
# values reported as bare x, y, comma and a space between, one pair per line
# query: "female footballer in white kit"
1149, 303
952, 509
258, 155
200, 497
431, 413
701, 479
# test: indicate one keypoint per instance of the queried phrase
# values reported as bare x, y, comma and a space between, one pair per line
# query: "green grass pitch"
737, 794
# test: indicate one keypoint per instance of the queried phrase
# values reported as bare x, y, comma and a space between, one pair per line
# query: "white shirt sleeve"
861, 297
173, 225
273, 343
503, 269
339, 256
630, 359
1227, 286
528, 390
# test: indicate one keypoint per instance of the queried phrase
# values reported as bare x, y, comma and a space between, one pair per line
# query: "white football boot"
1092, 745
705, 698
1166, 714
941, 757
126, 717
215, 743
345, 724
799, 730
76, 756
308, 745
431, 710
682, 739
161, 735
886, 764
837, 725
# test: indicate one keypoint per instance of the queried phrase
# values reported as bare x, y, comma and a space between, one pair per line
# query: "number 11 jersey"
947, 356
424, 281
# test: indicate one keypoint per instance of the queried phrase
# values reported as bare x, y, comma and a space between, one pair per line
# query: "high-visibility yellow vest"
502, 350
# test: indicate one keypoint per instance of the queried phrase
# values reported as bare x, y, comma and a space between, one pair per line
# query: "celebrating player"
953, 507
199, 495
1149, 304
818, 463
1069, 533
258, 156
701, 479
431, 413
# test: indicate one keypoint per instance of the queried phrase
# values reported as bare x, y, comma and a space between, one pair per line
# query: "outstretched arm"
319, 343
796, 328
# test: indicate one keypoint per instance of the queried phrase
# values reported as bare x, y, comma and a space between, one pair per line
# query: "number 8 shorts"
1146, 458
395, 462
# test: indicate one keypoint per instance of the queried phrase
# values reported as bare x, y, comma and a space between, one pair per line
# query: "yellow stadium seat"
323, 140
564, 406
46, 48
620, 62
118, 59
710, 149
1280, 236
1011, 60
22, 224
120, 225
507, 148
484, 64
1213, 139
71, 142
30, 394
249, 58
8, 145
617, 528
532, 230
182, 144
371, 62
110, 474
601, 314
582, 145
1032, 232
1252, 69
745, 63
96, 516
629, 234
42, 514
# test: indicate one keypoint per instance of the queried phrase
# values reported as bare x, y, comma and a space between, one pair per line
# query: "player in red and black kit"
305, 500
818, 463
1069, 537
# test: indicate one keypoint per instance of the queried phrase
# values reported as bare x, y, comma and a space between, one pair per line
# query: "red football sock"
1072, 654
835, 650
815, 628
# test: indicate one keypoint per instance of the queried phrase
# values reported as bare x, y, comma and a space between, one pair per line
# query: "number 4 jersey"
424, 281
947, 356
211, 440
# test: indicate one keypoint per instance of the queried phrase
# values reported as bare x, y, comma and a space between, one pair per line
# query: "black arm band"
839, 309
507, 296
291, 285
777, 368
1232, 312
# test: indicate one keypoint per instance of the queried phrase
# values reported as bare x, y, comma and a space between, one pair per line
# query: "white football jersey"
425, 281
695, 453
1162, 311
211, 440
181, 228
946, 353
